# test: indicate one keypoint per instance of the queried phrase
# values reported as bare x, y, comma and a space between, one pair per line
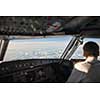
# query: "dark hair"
92, 48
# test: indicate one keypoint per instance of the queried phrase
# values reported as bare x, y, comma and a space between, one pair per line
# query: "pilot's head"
91, 49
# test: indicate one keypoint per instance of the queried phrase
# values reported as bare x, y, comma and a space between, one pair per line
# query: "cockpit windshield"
49, 47
43, 48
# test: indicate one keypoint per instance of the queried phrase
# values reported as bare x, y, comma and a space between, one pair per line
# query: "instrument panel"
29, 71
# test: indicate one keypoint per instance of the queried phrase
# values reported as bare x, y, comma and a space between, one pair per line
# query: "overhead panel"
48, 25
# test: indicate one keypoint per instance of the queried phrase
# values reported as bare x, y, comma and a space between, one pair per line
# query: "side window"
79, 52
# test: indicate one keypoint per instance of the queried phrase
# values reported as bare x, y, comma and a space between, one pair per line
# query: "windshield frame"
3, 48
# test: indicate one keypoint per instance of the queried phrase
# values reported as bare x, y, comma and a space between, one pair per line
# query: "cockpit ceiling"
49, 25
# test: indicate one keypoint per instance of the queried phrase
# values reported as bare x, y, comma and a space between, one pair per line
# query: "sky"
53, 39
47, 39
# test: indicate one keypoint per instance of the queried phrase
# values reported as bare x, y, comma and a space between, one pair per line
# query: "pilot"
87, 71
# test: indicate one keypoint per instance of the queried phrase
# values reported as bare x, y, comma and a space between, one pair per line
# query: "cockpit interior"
44, 70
